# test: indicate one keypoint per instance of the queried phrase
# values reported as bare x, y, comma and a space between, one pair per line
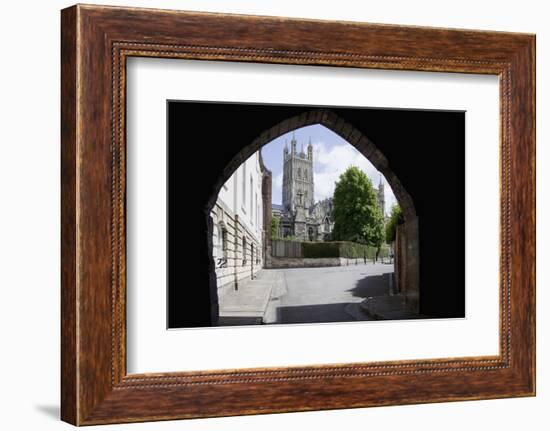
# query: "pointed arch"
338, 125
407, 266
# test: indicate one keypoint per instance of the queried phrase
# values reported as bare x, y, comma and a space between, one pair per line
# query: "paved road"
315, 295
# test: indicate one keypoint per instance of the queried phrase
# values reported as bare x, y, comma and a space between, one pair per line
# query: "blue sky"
332, 155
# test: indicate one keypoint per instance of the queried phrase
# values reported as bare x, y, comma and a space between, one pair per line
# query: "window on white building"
257, 213
244, 250
244, 185
216, 250
224, 243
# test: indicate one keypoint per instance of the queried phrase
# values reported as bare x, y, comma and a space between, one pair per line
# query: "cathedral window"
299, 172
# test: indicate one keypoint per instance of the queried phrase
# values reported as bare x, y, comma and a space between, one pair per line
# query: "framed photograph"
263, 214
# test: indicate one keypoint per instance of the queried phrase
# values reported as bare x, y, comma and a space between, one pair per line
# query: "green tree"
357, 216
396, 218
274, 227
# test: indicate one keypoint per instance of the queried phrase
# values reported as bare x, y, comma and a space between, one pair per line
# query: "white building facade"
238, 234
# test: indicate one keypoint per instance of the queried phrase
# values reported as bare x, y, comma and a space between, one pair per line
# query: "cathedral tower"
297, 177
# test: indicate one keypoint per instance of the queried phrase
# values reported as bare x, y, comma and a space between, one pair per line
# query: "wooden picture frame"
95, 43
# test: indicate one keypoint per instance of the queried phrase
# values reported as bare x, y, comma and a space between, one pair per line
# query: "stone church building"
300, 217
242, 218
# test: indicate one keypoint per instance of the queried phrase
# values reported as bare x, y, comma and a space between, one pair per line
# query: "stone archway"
408, 268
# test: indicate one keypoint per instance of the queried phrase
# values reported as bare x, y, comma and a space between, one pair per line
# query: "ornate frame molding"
96, 41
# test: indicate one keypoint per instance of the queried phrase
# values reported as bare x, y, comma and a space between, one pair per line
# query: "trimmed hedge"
346, 249
320, 249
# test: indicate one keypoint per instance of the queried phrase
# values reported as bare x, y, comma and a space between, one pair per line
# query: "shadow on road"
372, 285
320, 313
239, 320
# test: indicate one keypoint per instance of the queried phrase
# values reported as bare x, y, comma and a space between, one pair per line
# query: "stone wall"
407, 261
304, 262
234, 265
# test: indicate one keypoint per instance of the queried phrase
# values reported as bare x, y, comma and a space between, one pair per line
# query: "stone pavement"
387, 308
314, 295
248, 305
330, 294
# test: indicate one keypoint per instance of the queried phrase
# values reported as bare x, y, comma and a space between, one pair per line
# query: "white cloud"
331, 161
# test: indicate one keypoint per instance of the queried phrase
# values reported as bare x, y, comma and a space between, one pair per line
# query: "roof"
277, 207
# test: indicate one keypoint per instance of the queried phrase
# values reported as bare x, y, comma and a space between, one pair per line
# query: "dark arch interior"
425, 149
